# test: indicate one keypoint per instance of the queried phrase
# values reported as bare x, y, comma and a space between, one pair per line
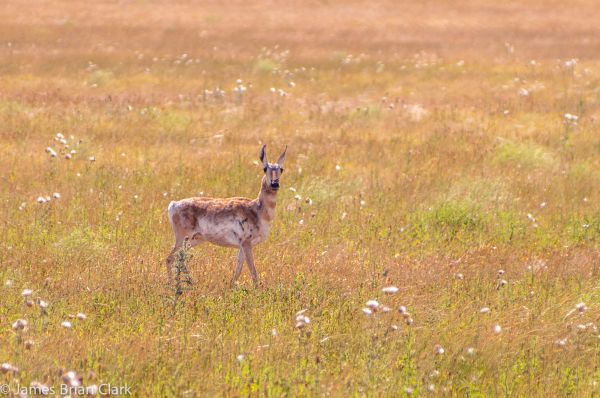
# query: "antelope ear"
281, 159
263, 157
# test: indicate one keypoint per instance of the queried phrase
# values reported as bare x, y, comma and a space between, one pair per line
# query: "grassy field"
450, 149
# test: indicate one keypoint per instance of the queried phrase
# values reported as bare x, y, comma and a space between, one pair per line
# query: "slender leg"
238, 268
250, 260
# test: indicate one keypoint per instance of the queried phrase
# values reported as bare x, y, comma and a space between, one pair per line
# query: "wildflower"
41, 199
92, 158
390, 290
68, 156
362, 203
27, 293
7, 367
484, 310
19, 324
402, 310
301, 222
72, 379
523, 92
501, 272
561, 342
301, 319
501, 283
56, 195
240, 357
373, 304
51, 151
274, 332
297, 197
497, 329
571, 63
394, 327
459, 276
28, 344
581, 307
409, 321
81, 316
471, 351
343, 216
66, 324
408, 390
338, 167
571, 119
367, 311
439, 350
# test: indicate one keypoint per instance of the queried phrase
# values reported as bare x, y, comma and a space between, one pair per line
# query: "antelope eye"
265, 169
281, 169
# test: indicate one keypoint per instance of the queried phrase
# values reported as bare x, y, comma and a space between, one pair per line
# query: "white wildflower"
390, 290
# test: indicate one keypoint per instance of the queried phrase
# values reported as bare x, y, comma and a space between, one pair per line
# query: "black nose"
275, 184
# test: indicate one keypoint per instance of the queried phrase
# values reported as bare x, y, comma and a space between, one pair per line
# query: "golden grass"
448, 174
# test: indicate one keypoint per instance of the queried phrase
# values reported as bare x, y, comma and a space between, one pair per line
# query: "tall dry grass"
429, 149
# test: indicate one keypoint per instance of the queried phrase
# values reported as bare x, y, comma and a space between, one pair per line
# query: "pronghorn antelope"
231, 222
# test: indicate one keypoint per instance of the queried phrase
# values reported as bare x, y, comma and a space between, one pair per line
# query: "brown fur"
232, 222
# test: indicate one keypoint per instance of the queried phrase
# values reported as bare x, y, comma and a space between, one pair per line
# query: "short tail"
171, 210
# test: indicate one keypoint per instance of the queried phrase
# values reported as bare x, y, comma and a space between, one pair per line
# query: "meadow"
438, 228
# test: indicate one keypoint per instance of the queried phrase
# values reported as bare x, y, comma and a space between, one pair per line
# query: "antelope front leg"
247, 247
238, 268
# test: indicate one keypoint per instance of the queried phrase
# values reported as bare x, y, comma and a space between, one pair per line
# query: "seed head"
390, 290
7, 367
372, 304
19, 324
439, 350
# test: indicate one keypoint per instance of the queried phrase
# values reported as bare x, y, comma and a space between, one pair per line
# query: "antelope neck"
267, 200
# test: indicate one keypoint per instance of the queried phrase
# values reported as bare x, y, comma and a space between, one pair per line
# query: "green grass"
444, 203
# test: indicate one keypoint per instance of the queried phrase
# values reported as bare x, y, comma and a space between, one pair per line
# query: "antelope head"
272, 170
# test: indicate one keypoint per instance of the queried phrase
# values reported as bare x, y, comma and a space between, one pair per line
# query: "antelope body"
232, 222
